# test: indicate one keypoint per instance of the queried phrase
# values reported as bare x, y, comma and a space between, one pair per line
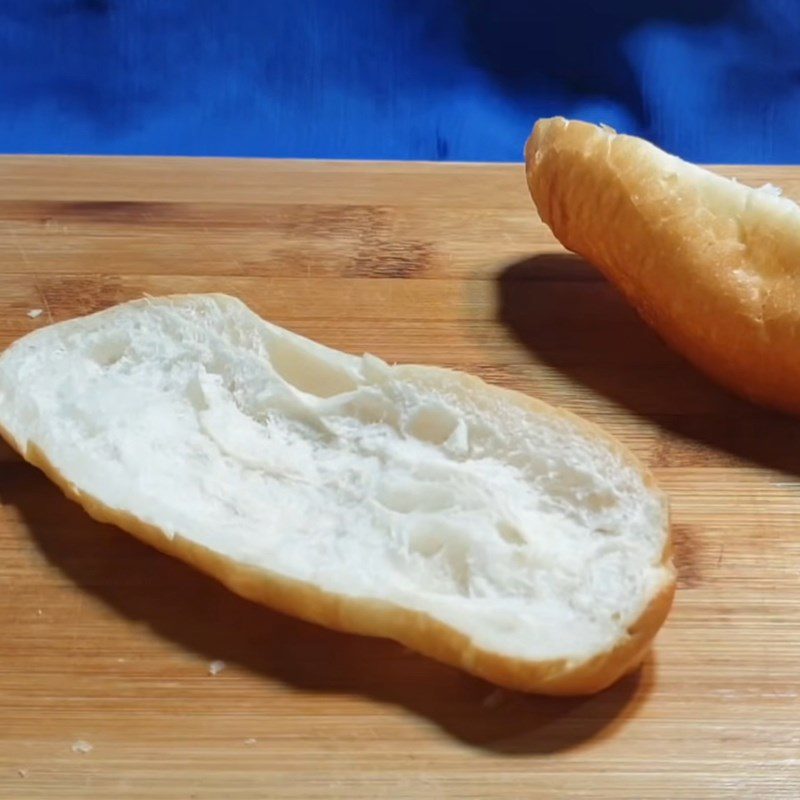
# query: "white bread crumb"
251, 740
215, 667
770, 188
23, 773
82, 746
35, 312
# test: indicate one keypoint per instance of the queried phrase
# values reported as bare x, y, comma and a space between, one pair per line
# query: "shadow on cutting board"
563, 311
197, 613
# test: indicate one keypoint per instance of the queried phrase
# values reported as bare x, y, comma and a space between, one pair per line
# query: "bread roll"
471, 523
712, 265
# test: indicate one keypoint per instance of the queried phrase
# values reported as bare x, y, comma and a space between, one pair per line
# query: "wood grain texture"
109, 642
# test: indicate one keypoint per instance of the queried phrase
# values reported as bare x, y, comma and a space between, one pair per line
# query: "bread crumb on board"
35, 312
215, 667
251, 740
23, 773
82, 746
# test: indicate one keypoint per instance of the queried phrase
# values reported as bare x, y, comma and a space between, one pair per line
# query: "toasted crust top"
712, 265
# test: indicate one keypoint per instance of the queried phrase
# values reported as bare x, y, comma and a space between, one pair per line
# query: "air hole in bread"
447, 553
576, 487
432, 423
510, 533
408, 496
195, 394
365, 406
108, 351
307, 372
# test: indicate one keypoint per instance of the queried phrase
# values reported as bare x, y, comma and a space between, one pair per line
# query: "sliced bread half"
469, 522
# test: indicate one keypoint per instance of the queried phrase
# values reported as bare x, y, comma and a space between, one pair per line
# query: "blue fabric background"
713, 80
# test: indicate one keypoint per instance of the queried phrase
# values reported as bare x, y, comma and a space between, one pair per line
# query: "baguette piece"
471, 523
712, 265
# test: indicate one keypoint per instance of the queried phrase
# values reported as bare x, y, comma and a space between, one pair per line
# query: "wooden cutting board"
109, 643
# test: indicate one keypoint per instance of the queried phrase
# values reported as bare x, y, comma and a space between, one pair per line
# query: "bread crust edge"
708, 263
416, 630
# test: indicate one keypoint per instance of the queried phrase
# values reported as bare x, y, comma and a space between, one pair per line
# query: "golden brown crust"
417, 630
710, 264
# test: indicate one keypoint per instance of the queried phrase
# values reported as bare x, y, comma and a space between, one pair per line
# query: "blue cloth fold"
712, 80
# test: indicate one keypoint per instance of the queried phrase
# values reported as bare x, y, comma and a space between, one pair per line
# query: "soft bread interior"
524, 529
